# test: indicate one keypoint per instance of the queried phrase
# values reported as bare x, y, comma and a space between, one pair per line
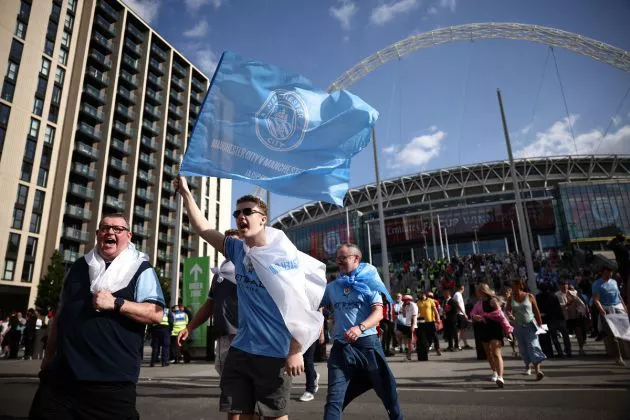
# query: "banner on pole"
195, 293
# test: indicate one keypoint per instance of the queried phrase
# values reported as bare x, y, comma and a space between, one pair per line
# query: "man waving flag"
266, 126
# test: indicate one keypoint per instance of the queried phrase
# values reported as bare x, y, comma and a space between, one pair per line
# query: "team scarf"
225, 271
119, 273
365, 280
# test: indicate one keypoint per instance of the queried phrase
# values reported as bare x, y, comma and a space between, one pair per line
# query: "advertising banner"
195, 292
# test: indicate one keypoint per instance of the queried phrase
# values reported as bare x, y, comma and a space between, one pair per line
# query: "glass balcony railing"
76, 234
109, 10
197, 85
84, 170
82, 191
79, 212
157, 81
169, 171
167, 221
120, 145
163, 255
173, 140
105, 25
168, 187
178, 83
127, 94
154, 95
176, 96
95, 93
153, 111
116, 183
131, 62
169, 204
70, 256
177, 127
144, 158
115, 203
92, 111
133, 47
140, 230
144, 194
175, 110
172, 155
129, 78
150, 143
119, 164
146, 177
159, 52
142, 212
169, 239
151, 126
101, 40
121, 127
156, 66
179, 69
101, 59
97, 75
135, 32
86, 150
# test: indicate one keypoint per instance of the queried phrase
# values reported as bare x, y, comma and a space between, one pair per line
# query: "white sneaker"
307, 396
528, 372
495, 377
500, 382
316, 384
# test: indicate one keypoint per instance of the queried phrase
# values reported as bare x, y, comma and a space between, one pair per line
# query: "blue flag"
263, 125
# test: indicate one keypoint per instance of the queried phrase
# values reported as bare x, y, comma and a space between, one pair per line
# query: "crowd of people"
23, 336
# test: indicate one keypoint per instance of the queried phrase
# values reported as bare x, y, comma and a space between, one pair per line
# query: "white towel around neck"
120, 271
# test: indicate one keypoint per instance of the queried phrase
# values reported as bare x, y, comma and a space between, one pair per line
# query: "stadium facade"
581, 200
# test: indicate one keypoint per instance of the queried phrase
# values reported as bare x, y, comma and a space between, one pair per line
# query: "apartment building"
95, 111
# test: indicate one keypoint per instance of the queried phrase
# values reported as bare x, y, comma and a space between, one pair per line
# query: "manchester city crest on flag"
282, 120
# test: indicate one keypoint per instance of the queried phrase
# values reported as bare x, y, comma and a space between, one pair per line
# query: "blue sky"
438, 106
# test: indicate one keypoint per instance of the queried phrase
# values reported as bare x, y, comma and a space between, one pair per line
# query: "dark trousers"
450, 334
29, 345
430, 332
160, 341
309, 368
14, 343
560, 327
387, 335
78, 400
175, 350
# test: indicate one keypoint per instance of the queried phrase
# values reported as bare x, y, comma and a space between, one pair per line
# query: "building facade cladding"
119, 128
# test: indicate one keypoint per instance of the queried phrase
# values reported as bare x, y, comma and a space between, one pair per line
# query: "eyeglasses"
246, 212
117, 229
342, 258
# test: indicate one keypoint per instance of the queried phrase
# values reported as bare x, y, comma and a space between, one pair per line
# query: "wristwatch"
362, 328
118, 303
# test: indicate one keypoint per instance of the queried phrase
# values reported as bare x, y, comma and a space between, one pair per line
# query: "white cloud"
206, 60
197, 31
344, 13
433, 128
194, 5
526, 129
386, 12
146, 9
557, 140
616, 120
432, 10
449, 4
415, 154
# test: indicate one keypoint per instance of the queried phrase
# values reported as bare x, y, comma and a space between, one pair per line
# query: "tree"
51, 284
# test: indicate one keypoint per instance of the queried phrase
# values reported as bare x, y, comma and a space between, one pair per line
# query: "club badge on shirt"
346, 291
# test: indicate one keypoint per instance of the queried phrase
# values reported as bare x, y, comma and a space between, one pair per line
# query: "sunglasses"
246, 212
342, 258
116, 229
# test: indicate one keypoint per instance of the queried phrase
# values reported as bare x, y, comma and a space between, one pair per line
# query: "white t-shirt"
409, 311
400, 318
460, 301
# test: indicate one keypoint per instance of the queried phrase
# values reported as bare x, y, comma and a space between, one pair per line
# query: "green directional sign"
195, 293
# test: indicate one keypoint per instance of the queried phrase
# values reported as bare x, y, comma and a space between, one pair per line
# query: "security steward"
180, 321
160, 338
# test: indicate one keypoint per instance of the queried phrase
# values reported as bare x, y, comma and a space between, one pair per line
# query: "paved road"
195, 401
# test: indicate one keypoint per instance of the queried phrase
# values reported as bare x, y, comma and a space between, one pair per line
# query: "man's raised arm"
199, 223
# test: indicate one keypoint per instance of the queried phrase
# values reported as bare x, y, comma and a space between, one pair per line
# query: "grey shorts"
223, 344
254, 384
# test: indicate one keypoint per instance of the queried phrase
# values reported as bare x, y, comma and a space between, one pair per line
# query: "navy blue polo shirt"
102, 346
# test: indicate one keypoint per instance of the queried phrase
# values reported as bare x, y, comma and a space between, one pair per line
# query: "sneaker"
528, 372
500, 382
307, 396
467, 347
316, 383
620, 362
540, 375
495, 377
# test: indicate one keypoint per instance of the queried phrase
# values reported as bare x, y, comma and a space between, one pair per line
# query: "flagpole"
176, 246
268, 199
440, 234
369, 242
381, 215
347, 224
448, 251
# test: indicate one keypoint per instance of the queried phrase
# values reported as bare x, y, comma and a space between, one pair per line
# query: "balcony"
194, 182
179, 69
131, 63
129, 78
135, 33
186, 227
150, 143
175, 111
97, 76
109, 11
81, 191
163, 55
167, 221
83, 170
140, 230
155, 81
102, 41
102, 23
151, 127
169, 171
127, 94
92, 112
175, 126
115, 203
100, 59
78, 212
133, 47
169, 204
147, 160
125, 112
173, 140
90, 131
187, 244
193, 111
177, 97
120, 145
172, 155
119, 164
95, 93
179, 84
154, 96
169, 239
152, 111
156, 66
168, 187
86, 150
163, 255
196, 98
123, 129
117, 184
198, 86
70, 256
144, 194
146, 177
76, 234
142, 212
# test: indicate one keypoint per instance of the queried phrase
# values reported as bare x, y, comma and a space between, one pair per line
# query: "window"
36, 220
31, 247
9, 270
27, 272
38, 107
42, 177
27, 169
34, 130
72, 6
20, 29
29, 152
16, 50
69, 23
38, 201
51, 32
22, 195
60, 74
65, 40
49, 47
8, 88
56, 95
55, 13
14, 244
46, 155
63, 56
45, 70
53, 113
49, 135
5, 111
18, 218
12, 71
25, 11
42, 84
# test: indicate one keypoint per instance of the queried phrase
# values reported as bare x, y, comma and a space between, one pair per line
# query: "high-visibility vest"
180, 320
165, 318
